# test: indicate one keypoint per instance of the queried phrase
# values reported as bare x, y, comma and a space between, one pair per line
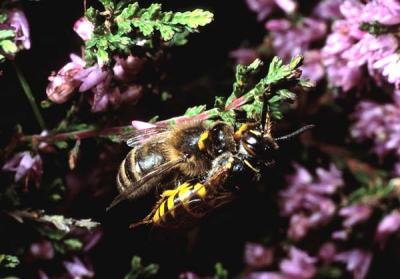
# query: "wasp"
229, 173
163, 156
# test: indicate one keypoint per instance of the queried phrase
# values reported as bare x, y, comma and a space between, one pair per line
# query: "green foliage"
195, 110
220, 272
374, 28
122, 26
140, 271
8, 261
243, 76
7, 45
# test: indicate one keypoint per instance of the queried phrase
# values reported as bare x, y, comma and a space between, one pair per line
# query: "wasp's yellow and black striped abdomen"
181, 207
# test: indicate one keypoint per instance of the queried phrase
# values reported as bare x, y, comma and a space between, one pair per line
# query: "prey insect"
230, 172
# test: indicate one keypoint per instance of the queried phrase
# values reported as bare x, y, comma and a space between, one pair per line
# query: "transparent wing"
142, 187
135, 137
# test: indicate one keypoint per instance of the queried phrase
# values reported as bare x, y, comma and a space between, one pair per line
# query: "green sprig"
122, 26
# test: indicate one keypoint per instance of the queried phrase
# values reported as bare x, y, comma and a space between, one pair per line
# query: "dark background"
196, 73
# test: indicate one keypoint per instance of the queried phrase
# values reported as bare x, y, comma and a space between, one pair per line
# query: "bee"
230, 172
163, 155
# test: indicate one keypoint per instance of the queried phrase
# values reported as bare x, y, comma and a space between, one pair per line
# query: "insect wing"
142, 187
135, 137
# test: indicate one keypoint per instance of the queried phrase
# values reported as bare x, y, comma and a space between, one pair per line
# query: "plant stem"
76, 135
28, 93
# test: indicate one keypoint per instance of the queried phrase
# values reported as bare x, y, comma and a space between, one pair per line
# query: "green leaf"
195, 110
140, 271
220, 272
193, 19
6, 34
8, 46
3, 16
61, 144
73, 244
8, 261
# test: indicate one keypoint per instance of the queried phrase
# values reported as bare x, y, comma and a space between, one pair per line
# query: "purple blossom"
244, 56
327, 252
264, 275
127, 69
348, 48
42, 250
84, 28
312, 68
188, 275
357, 262
17, 20
307, 200
26, 167
63, 84
140, 125
355, 214
257, 256
299, 265
379, 123
263, 8
77, 269
389, 225
328, 9
289, 40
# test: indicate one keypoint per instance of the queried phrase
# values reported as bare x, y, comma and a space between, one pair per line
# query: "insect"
182, 206
161, 156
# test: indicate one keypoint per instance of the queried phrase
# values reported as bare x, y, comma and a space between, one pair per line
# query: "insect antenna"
295, 133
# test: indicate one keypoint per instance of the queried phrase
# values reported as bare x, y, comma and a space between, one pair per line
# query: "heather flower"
77, 269
379, 123
17, 20
188, 275
244, 56
63, 84
327, 252
307, 200
348, 48
26, 167
140, 125
289, 40
264, 275
389, 225
127, 69
263, 8
42, 250
84, 28
328, 9
299, 265
355, 214
257, 256
357, 262
312, 68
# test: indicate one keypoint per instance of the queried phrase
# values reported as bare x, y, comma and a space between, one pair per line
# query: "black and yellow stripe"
185, 202
126, 175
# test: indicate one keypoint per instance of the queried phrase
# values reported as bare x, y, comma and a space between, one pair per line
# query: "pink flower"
355, 214
257, 256
357, 261
42, 250
63, 84
263, 8
328, 9
265, 275
389, 225
299, 265
17, 20
244, 56
25, 167
327, 252
127, 69
383, 11
84, 28
289, 40
91, 77
379, 123
312, 68
307, 200
77, 269
140, 125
